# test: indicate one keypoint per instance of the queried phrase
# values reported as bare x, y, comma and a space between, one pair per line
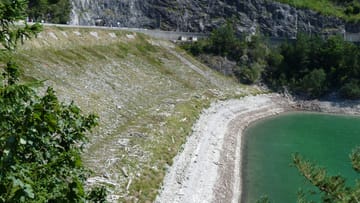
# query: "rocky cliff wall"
271, 18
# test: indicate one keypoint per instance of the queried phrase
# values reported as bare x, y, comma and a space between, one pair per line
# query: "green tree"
298, 68
332, 188
313, 82
41, 139
223, 39
11, 12
54, 11
249, 74
351, 89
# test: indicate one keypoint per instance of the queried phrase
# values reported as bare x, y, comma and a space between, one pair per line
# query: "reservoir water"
322, 138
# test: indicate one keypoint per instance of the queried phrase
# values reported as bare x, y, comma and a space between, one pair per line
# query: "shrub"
249, 74
313, 83
222, 40
351, 90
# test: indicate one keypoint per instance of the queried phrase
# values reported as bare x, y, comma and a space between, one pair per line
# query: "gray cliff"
270, 18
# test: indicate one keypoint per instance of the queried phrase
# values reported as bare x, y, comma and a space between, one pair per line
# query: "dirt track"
208, 169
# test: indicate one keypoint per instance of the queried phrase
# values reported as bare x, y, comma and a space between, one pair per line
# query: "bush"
313, 83
222, 40
249, 74
199, 47
351, 90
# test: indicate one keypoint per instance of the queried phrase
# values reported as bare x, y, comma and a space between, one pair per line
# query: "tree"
299, 70
223, 39
351, 89
332, 188
249, 74
41, 139
313, 82
11, 12
54, 11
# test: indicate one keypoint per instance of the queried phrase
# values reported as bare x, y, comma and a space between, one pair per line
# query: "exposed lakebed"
322, 138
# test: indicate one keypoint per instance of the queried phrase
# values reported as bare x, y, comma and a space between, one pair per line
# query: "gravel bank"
209, 167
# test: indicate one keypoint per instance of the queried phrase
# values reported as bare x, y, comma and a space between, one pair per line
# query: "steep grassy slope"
147, 92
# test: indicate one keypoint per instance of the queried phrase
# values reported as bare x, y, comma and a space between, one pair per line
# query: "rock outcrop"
269, 17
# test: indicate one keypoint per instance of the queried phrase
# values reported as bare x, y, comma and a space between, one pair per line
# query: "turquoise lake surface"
269, 144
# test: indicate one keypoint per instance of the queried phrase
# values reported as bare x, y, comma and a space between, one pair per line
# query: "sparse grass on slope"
147, 100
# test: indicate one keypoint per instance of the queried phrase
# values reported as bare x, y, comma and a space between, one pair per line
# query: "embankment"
147, 93
209, 167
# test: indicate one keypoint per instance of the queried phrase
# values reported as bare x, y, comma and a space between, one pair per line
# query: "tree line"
311, 66
52, 11
314, 66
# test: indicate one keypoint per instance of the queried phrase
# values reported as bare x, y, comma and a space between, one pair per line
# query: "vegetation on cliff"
346, 9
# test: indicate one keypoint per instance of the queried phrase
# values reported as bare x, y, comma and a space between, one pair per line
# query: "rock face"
271, 18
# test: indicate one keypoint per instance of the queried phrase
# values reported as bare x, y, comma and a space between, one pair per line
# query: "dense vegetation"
250, 53
310, 66
40, 138
313, 66
53, 11
345, 9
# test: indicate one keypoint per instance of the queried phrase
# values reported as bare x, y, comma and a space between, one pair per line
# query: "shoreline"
209, 169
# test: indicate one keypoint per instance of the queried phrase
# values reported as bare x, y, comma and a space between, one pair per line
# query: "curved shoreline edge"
209, 167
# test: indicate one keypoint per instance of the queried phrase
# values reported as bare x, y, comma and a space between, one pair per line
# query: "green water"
326, 139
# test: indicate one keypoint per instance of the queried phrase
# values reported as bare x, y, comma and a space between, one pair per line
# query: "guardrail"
192, 36
161, 34
352, 37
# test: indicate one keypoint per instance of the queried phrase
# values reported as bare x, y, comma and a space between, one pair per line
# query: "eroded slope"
148, 93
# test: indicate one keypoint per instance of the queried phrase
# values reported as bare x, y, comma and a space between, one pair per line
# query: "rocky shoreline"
209, 167
348, 107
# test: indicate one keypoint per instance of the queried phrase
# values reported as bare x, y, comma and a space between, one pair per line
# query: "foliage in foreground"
329, 188
40, 138
332, 188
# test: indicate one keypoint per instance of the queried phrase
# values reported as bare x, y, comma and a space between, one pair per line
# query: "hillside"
147, 92
271, 18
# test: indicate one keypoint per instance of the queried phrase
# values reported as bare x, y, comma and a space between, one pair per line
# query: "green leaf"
22, 141
29, 191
